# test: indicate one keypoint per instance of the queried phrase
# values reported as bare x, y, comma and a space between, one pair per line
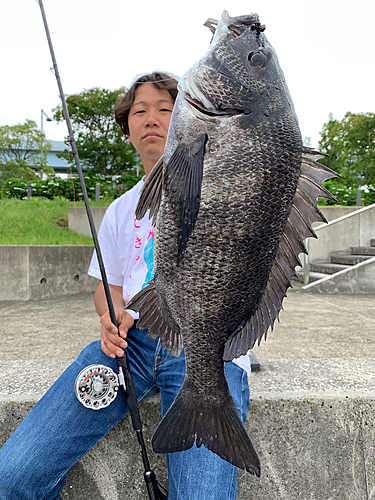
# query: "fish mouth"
199, 102
206, 112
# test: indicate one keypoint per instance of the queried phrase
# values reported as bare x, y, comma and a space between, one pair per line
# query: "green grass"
39, 222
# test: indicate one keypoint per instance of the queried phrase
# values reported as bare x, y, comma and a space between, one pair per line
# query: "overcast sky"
325, 48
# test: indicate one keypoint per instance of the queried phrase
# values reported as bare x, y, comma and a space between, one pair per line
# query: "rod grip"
153, 489
126, 380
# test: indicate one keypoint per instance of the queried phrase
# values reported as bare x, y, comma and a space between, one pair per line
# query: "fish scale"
232, 211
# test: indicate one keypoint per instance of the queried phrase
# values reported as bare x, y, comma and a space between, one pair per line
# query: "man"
59, 430
144, 115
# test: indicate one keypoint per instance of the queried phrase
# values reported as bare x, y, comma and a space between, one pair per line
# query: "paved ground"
321, 343
54, 329
322, 326
311, 326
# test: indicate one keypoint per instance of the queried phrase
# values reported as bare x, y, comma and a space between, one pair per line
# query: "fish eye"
257, 59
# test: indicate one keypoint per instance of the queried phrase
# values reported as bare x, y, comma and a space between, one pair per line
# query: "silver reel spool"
96, 387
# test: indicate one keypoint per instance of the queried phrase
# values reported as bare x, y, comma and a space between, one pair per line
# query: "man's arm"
112, 344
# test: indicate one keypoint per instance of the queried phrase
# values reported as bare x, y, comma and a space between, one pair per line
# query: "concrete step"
348, 259
327, 267
363, 250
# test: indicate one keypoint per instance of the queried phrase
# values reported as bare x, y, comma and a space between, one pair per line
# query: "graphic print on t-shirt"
148, 256
143, 251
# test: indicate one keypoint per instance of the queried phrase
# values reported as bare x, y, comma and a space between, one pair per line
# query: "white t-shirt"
127, 247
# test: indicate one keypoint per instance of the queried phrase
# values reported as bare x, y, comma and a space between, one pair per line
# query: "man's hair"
162, 81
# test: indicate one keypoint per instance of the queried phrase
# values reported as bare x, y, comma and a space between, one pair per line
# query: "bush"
347, 196
55, 187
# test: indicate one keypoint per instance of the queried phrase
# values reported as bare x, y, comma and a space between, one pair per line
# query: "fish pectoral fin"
219, 428
304, 211
183, 182
150, 196
150, 316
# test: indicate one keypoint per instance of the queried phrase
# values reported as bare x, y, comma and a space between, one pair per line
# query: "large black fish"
233, 198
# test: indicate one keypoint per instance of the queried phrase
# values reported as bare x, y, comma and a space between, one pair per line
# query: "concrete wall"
351, 230
336, 211
345, 232
78, 217
14, 272
79, 222
40, 272
311, 447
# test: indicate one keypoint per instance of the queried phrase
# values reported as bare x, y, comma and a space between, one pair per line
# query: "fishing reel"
96, 387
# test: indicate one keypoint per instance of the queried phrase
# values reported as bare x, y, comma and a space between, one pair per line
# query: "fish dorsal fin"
303, 213
150, 196
150, 316
183, 180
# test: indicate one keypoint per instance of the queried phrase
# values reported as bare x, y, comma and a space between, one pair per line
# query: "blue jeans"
59, 430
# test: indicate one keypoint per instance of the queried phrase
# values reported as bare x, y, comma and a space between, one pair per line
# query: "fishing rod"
97, 386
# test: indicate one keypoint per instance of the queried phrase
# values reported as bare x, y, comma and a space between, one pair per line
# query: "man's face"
148, 122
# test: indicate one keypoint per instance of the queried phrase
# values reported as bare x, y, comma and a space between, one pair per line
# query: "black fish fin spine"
150, 316
218, 428
150, 197
183, 180
304, 211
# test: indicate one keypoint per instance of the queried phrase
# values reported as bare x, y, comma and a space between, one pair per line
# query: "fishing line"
100, 383
172, 77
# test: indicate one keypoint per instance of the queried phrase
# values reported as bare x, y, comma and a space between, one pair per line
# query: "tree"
23, 151
351, 146
17, 169
100, 142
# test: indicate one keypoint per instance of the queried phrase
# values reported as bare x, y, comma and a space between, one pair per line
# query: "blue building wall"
60, 165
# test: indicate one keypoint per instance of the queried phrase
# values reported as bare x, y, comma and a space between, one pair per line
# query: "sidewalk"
332, 335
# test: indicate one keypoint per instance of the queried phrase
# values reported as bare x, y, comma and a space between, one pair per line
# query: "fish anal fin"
150, 316
219, 428
183, 180
304, 212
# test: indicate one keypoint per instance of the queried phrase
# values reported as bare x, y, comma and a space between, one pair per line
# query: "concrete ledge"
310, 447
43, 271
312, 422
113, 469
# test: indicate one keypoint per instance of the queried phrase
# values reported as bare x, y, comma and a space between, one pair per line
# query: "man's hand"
113, 344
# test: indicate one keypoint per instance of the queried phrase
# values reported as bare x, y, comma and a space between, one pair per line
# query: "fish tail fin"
218, 427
